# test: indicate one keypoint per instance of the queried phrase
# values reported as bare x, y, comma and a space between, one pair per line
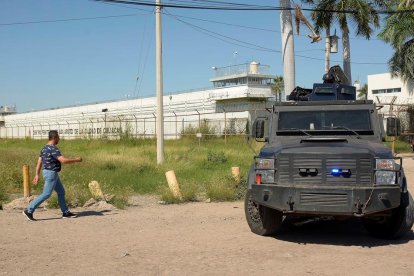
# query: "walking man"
50, 160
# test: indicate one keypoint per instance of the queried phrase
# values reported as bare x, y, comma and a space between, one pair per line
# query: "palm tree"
399, 32
278, 86
323, 20
365, 19
363, 92
406, 4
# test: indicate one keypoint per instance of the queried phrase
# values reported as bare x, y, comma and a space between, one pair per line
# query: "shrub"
204, 128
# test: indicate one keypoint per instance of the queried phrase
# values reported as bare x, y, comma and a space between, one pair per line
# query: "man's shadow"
87, 213
90, 213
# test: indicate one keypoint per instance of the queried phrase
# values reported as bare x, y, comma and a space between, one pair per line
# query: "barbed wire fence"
119, 126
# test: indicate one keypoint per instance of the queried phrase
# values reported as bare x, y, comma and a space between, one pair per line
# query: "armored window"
324, 122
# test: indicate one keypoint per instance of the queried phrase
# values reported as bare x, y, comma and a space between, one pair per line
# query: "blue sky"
46, 65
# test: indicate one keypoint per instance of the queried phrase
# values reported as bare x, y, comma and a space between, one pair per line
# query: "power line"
215, 35
241, 7
142, 65
228, 24
212, 5
251, 28
230, 4
149, 12
336, 61
255, 46
70, 19
221, 36
123, 6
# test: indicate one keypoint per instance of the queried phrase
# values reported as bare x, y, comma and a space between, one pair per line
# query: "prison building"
394, 98
238, 93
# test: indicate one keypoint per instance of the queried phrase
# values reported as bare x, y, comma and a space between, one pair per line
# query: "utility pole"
160, 112
288, 50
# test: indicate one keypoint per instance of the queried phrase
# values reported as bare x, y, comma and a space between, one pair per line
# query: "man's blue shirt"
49, 155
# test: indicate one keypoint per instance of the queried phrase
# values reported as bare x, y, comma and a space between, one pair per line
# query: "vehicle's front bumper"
326, 200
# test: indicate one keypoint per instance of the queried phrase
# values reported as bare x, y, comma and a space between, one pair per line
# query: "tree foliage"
399, 33
363, 91
365, 19
278, 86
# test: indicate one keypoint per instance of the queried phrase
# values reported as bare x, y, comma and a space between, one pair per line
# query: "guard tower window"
388, 90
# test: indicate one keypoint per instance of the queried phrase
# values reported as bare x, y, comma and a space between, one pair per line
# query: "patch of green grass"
128, 166
400, 146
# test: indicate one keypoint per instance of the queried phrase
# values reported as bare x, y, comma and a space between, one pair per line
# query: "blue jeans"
52, 182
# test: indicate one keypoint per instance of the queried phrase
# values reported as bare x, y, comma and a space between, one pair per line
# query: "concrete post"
173, 184
26, 185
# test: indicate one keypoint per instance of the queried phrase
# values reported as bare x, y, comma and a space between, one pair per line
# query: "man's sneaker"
69, 215
28, 215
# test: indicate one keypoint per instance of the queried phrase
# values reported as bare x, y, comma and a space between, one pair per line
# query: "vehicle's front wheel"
262, 220
394, 226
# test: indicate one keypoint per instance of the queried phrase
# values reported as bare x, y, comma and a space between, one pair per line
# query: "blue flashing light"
336, 172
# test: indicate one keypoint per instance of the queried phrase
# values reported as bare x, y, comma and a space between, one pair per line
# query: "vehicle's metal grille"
344, 164
365, 171
313, 163
284, 170
289, 165
323, 199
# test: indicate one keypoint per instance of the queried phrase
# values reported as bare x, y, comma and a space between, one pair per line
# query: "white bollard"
235, 173
96, 191
173, 184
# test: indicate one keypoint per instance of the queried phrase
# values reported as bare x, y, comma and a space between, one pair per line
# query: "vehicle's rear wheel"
395, 225
262, 220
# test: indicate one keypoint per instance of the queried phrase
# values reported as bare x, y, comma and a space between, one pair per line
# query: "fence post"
136, 126
26, 185
155, 123
79, 129
225, 127
144, 129
176, 127
199, 121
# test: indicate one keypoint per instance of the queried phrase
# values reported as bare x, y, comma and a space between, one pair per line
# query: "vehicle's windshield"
353, 122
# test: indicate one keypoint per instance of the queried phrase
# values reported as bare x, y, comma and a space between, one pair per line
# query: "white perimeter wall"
135, 116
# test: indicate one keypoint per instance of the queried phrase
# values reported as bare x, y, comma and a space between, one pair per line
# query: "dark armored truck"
324, 156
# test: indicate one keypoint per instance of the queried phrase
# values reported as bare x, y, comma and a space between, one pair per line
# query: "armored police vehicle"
324, 156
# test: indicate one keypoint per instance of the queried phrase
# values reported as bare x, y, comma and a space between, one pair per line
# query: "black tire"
262, 220
394, 226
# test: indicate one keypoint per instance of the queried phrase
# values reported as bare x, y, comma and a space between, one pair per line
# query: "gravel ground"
192, 239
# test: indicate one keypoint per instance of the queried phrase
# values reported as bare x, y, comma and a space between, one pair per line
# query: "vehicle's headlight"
384, 177
267, 176
385, 171
265, 164
385, 164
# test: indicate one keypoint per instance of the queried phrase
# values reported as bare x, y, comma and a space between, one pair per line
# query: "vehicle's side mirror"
393, 127
258, 128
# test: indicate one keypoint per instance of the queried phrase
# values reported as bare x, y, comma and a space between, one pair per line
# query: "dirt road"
192, 239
